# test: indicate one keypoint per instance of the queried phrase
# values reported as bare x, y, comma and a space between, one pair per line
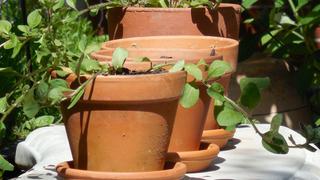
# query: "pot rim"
232, 43
212, 150
179, 169
99, 55
236, 7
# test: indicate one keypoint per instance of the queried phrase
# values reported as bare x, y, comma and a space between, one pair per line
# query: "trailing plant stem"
97, 6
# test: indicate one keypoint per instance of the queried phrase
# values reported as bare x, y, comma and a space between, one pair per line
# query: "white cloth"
245, 158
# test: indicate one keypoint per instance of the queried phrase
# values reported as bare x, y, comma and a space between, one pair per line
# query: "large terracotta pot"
123, 123
138, 22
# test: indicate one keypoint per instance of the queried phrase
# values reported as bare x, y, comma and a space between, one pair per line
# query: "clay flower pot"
189, 123
139, 22
123, 122
173, 171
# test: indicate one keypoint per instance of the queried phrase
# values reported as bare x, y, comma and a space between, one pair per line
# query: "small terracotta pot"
317, 36
196, 160
173, 171
189, 123
138, 22
227, 48
123, 123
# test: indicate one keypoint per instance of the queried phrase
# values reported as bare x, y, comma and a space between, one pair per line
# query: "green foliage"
57, 36
190, 95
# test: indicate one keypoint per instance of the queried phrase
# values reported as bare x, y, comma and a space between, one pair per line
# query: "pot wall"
121, 124
139, 22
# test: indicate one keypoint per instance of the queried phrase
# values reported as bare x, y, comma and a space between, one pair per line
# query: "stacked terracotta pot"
131, 109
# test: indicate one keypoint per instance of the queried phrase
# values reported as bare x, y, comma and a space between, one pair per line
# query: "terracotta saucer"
219, 137
173, 171
196, 160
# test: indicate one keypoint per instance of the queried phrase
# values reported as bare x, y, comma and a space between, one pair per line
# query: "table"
244, 157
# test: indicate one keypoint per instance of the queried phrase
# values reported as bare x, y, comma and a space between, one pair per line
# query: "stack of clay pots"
132, 127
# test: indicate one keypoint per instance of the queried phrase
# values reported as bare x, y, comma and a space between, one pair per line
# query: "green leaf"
317, 123
118, 57
8, 71
163, 3
12, 42
30, 105
55, 83
92, 47
42, 121
2, 130
82, 44
301, 3
246, 4
55, 95
76, 98
218, 68
265, 39
275, 143
89, 65
58, 5
3, 104
71, 3
178, 66
261, 82
34, 18
229, 117
276, 123
250, 96
24, 28
283, 19
230, 128
62, 73
202, 62
5, 165
41, 91
5, 26
190, 95
193, 70
216, 91
279, 3
248, 21
16, 49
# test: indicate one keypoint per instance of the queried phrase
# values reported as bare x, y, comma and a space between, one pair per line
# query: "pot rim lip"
217, 133
96, 55
237, 7
233, 43
178, 168
207, 153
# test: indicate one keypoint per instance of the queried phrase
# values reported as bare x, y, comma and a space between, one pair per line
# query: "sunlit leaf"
190, 95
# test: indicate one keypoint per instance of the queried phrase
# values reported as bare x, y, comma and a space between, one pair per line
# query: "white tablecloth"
244, 158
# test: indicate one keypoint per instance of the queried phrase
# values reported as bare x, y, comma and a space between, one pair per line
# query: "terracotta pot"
189, 123
173, 171
227, 48
138, 22
196, 160
123, 123
317, 36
